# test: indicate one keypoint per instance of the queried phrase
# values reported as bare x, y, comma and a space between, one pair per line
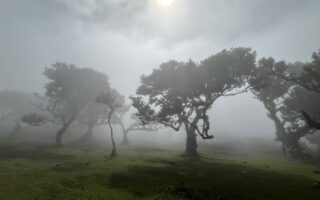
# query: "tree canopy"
71, 89
180, 93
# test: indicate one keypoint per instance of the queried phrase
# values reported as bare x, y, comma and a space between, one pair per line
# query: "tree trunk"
125, 141
61, 132
88, 137
191, 145
15, 131
114, 151
284, 150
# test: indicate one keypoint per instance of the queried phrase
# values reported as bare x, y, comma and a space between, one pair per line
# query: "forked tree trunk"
114, 150
61, 132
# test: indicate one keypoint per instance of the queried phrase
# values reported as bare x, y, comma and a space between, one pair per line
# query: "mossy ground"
40, 173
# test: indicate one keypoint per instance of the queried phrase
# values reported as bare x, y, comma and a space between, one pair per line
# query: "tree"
13, 105
180, 93
307, 76
269, 89
69, 90
301, 99
282, 99
111, 99
93, 115
117, 118
135, 126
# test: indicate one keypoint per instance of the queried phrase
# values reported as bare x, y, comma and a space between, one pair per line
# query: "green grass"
30, 173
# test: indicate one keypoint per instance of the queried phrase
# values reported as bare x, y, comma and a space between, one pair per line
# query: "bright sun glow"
165, 3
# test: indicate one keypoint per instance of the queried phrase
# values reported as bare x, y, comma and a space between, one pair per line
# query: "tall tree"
112, 100
180, 93
70, 89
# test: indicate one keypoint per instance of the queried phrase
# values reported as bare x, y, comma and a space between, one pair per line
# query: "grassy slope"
35, 173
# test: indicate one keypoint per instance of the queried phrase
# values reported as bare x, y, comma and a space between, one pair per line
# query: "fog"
148, 80
126, 39
136, 36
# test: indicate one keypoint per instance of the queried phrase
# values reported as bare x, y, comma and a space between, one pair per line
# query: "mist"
159, 87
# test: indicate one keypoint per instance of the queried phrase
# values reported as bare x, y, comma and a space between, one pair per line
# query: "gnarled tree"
270, 90
180, 93
307, 76
283, 100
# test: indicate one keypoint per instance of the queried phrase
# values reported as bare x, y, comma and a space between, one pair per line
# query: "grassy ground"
35, 173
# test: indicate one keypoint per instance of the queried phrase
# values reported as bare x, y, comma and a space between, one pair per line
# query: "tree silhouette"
112, 100
69, 91
307, 76
118, 119
180, 93
283, 100
93, 115
301, 99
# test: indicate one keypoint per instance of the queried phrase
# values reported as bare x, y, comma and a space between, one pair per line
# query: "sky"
128, 38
